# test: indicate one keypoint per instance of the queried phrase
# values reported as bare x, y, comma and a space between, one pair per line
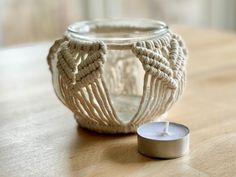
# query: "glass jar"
117, 74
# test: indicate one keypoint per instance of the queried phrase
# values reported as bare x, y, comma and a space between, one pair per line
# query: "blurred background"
27, 21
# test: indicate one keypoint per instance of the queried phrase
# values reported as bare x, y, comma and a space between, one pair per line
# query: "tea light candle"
163, 139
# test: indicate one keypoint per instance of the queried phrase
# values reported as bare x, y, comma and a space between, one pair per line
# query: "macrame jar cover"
80, 82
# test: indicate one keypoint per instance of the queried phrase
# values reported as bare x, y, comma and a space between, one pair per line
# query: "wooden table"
39, 137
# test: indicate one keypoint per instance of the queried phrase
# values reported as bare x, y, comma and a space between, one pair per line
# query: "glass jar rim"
117, 31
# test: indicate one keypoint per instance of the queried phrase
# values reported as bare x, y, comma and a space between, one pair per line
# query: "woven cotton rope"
78, 75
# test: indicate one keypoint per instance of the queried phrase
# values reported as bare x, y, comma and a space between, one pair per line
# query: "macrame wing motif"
164, 63
80, 67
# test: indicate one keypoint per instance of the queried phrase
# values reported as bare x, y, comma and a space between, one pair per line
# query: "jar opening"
117, 32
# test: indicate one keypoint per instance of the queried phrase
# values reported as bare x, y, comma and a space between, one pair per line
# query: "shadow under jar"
118, 74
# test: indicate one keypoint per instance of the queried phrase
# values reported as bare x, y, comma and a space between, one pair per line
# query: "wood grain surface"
39, 137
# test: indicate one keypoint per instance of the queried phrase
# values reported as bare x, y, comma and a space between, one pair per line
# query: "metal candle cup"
163, 140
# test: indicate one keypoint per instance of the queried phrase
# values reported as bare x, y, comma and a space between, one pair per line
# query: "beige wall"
23, 21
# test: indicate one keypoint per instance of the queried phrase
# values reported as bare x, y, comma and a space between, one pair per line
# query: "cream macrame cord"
82, 88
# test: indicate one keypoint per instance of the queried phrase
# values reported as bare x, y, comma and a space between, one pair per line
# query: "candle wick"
166, 129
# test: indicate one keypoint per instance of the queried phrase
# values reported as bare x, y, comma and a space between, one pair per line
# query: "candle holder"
163, 140
115, 75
